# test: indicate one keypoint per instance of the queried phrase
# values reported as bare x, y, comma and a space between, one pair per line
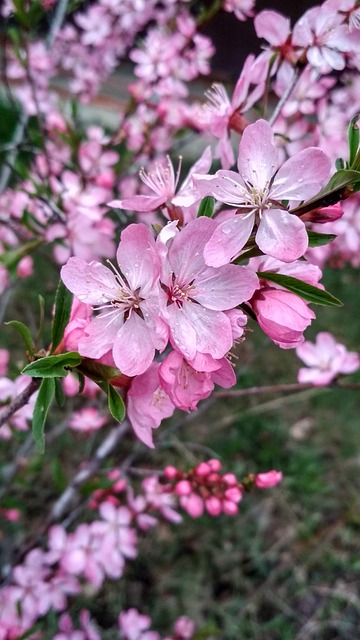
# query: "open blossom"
195, 295
220, 114
186, 386
135, 626
325, 360
257, 191
128, 323
324, 37
163, 183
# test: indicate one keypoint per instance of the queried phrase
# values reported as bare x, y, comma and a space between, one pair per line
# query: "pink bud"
170, 472
213, 506
234, 494
203, 469
193, 504
230, 479
214, 464
230, 508
25, 267
183, 488
268, 480
12, 515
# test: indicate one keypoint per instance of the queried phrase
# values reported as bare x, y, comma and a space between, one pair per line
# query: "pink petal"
186, 254
281, 235
228, 239
137, 257
100, 335
133, 348
182, 331
142, 204
272, 26
226, 287
258, 157
225, 186
212, 328
92, 283
302, 176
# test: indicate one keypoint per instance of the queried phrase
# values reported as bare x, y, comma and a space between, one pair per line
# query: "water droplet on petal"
226, 230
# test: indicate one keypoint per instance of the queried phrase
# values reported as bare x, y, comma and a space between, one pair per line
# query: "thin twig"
285, 96
283, 388
105, 448
20, 401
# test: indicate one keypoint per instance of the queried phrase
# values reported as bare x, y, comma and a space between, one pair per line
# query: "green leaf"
24, 332
353, 139
302, 289
206, 207
59, 393
42, 404
63, 302
320, 239
53, 366
11, 258
96, 371
115, 404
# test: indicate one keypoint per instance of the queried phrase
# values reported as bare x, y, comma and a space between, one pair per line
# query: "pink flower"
257, 193
185, 386
135, 626
242, 9
220, 115
325, 359
268, 480
87, 420
195, 295
128, 322
163, 183
148, 404
324, 37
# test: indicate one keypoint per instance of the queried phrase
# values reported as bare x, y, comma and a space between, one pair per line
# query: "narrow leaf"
320, 239
206, 207
115, 404
353, 139
41, 409
302, 289
24, 332
53, 366
63, 301
59, 393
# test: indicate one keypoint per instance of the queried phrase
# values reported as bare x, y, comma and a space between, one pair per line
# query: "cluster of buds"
204, 488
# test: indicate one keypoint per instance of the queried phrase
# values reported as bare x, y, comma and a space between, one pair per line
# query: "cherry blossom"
258, 191
196, 296
128, 323
325, 360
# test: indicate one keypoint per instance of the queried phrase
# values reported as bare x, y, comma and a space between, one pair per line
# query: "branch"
20, 401
285, 96
283, 388
105, 448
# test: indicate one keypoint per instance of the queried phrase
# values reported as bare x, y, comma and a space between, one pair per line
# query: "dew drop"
226, 230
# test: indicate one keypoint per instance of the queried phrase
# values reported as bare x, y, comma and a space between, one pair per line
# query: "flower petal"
301, 176
92, 283
228, 239
281, 235
226, 287
137, 257
133, 349
258, 157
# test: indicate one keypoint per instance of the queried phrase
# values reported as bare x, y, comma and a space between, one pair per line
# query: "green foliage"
206, 207
115, 402
319, 239
53, 366
306, 291
25, 333
42, 405
63, 302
